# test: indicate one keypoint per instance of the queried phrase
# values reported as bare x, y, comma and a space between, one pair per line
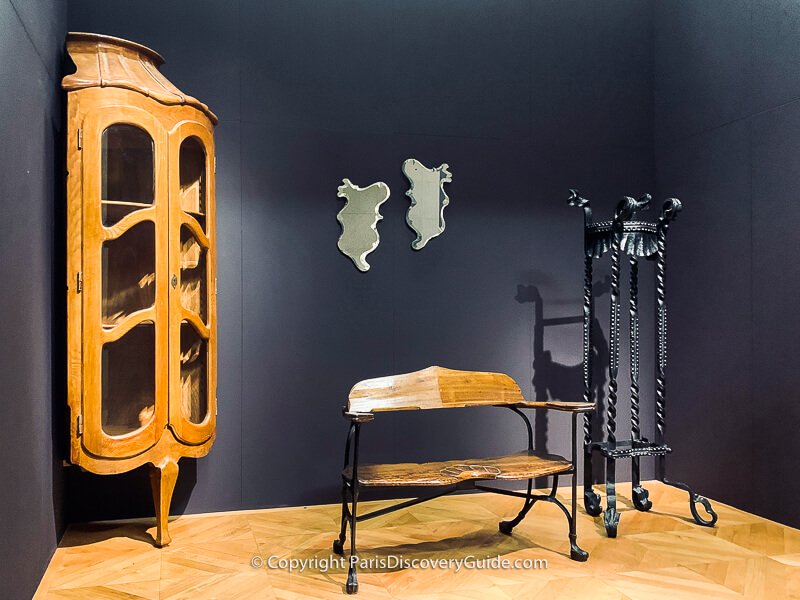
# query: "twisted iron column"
669, 211
588, 312
640, 495
634, 349
661, 337
613, 366
611, 516
591, 500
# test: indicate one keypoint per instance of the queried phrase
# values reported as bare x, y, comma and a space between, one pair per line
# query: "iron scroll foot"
507, 527
641, 499
338, 543
591, 502
576, 552
694, 500
611, 520
611, 516
338, 547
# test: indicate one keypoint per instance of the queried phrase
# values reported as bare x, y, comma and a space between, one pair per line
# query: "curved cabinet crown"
141, 266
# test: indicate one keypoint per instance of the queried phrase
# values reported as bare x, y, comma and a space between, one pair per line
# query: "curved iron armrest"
571, 407
574, 407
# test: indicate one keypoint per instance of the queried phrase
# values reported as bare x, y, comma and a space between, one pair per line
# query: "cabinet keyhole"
174, 281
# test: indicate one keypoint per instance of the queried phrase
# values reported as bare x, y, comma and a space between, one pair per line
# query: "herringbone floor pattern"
660, 555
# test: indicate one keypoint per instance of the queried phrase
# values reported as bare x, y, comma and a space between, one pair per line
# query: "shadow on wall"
556, 381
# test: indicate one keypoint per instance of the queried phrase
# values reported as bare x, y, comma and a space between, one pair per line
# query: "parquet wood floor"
661, 555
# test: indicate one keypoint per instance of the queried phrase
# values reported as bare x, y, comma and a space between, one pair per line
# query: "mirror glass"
127, 171
428, 200
359, 219
193, 179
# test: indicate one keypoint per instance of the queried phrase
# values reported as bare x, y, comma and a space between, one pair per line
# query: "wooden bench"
436, 387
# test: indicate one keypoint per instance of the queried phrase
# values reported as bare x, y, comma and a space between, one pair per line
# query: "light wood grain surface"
434, 387
658, 555
522, 465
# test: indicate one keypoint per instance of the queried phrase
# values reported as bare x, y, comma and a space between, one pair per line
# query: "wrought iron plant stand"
636, 239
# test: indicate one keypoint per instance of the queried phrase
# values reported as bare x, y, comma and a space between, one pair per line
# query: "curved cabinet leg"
162, 481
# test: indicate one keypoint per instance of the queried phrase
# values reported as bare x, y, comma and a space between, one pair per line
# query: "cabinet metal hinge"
216, 287
215, 165
79, 282
79, 424
80, 139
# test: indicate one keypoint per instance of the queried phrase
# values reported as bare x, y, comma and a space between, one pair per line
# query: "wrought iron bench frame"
387, 394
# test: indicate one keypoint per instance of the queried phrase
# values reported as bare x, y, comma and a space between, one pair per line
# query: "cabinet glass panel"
194, 286
129, 273
194, 374
193, 179
128, 380
128, 182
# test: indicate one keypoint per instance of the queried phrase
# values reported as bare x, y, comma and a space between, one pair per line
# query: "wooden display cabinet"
141, 268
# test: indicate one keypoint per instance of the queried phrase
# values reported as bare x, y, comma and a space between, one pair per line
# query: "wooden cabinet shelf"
131, 204
141, 302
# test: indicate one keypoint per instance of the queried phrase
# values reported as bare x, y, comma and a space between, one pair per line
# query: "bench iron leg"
352, 577
575, 551
349, 515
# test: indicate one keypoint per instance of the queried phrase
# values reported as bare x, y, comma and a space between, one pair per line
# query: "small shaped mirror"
428, 199
359, 219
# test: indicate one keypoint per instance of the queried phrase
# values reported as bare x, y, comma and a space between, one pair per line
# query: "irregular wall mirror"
359, 219
428, 199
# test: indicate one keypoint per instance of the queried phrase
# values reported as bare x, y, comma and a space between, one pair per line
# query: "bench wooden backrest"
434, 387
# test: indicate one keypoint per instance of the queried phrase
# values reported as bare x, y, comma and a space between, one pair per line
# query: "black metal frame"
638, 239
350, 493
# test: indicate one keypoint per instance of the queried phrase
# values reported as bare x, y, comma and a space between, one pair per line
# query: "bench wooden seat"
521, 465
438, 388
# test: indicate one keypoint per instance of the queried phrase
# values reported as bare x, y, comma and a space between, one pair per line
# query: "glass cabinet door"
125, 233
193, 304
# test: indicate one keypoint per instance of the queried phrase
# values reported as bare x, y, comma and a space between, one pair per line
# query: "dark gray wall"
727, 125
31, 41
522, 99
